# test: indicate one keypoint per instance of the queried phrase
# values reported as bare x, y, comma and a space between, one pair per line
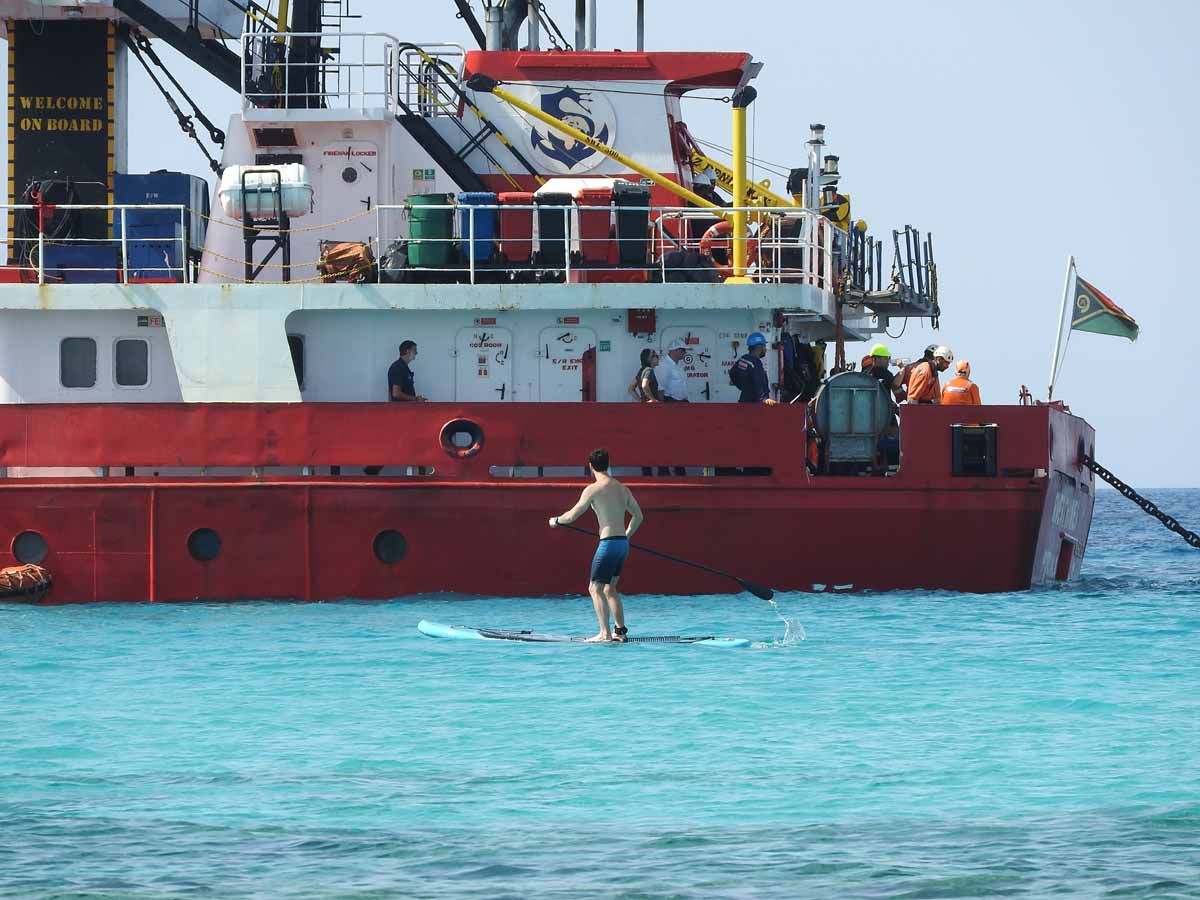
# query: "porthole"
204, 545
349, 174
390, 547
29, 547
462, 438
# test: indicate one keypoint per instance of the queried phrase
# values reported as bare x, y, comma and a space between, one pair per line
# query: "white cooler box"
293, 186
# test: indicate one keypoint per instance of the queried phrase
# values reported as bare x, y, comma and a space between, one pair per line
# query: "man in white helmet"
923, 384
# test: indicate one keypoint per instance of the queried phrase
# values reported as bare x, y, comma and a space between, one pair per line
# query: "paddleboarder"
610, 501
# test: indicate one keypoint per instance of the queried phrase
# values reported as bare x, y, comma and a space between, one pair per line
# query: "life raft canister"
720, 237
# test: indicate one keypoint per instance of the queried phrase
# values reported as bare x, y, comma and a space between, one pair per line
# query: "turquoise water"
911, 745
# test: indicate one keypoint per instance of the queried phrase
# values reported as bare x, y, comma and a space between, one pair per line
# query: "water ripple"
904, 744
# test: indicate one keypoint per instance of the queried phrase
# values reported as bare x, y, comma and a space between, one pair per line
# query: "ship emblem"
588, 111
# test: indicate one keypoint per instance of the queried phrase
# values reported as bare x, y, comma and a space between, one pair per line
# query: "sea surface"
907, 744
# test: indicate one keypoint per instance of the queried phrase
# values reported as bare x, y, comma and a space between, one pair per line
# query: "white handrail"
813, 238
376, 51
123, 241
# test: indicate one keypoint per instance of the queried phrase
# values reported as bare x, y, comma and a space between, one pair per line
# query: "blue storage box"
153, 235
82, 263
484, 225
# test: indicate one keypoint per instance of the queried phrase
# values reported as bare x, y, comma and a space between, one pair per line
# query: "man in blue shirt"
400, 376
749, 375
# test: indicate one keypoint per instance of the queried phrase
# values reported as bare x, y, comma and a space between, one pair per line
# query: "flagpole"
1068, 289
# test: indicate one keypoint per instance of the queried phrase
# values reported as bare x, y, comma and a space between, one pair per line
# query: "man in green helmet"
876, 365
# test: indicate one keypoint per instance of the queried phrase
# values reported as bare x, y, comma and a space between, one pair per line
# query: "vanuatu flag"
1093, 311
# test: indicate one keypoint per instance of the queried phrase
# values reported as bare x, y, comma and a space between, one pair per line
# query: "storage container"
516, 226
595, 224
554, 228
483, 223
264, 190
430, 230
633, 222
82, 263
153, 248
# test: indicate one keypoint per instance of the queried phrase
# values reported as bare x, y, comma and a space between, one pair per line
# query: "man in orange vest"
923, 386
960, 391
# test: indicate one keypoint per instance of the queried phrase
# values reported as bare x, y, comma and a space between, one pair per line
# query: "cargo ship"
194, 391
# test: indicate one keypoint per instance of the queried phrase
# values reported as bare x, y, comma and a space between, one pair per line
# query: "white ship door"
482, 365
566, 373
349, 182
703, 372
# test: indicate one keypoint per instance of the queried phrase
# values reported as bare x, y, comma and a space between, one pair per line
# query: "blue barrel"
484, 225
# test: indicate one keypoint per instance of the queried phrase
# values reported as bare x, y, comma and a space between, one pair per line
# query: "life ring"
455, 427
720, 237
28, 582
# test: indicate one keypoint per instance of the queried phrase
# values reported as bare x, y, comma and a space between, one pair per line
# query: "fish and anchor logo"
589, 111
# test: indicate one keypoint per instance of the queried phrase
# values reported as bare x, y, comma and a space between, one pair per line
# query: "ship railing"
428, 76
581, 243
784, 245
51, 258
361, 71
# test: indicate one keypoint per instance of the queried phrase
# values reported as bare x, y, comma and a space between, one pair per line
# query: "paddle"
763, 593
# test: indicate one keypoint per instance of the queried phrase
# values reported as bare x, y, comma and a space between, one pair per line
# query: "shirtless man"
610, 501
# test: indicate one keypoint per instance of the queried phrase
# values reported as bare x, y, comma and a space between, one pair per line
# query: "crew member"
672, 380
610, 501
888, 446
749, 375
900, 382
400, 376
876, 365
923, 385
960, 390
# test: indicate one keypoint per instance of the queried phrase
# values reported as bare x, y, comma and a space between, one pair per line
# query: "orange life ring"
720, 237
461, 426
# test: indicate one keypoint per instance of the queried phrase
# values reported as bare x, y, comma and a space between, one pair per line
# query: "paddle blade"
762, 593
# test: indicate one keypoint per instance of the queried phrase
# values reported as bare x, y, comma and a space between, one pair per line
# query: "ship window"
29, 547
390, 547
131, 362
204, 545
973, 450
77, 362
296, 345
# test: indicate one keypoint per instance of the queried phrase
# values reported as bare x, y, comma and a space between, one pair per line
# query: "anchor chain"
1125, 490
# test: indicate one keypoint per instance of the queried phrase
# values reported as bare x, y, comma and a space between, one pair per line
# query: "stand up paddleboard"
462, 633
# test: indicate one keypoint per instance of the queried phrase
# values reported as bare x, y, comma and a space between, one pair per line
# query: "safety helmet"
931, 349
881, 350
944, 352
756, 339
963, 367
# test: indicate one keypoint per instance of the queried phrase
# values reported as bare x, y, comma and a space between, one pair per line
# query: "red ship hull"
469, 529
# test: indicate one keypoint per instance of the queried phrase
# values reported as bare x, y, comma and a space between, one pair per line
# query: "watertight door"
482, 365
699, 366
560, 371
349, 180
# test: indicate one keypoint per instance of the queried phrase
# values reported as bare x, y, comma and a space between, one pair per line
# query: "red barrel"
516, 226
595, 224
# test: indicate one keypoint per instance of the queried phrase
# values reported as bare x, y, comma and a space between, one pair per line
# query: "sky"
1018, 133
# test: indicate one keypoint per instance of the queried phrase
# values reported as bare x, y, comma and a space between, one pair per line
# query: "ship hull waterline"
467, 530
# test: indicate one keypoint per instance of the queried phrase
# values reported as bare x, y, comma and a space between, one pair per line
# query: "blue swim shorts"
609, 558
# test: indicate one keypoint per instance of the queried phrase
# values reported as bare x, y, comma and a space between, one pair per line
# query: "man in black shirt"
400, 376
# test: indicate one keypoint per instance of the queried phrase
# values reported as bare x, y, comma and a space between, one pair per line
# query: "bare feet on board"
620, 634
602, 638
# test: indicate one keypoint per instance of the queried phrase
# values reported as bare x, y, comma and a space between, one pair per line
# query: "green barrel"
430, 231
